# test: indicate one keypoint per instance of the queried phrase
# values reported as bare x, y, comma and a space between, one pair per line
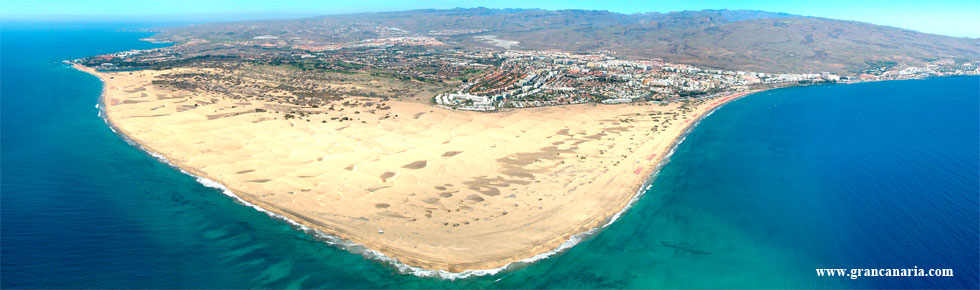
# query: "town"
491, 79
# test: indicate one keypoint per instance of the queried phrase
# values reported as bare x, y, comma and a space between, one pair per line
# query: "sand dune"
450, 190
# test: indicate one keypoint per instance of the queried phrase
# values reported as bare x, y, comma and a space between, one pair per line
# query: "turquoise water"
765, 190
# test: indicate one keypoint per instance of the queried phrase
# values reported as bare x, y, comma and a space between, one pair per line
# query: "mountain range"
726, 39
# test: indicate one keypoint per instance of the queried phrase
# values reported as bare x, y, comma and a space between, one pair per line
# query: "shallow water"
769, 187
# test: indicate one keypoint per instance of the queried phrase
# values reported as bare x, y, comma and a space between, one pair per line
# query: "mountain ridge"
726, 39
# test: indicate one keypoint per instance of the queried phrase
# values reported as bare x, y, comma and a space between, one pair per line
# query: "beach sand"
434, 188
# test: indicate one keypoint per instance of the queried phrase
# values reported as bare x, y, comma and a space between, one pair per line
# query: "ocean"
762, 193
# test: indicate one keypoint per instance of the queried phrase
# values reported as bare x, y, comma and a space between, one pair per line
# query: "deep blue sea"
763, 192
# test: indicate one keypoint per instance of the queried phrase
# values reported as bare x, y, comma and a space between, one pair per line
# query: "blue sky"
953, 17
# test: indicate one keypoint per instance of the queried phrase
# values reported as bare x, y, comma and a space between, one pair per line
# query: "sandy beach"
434, 188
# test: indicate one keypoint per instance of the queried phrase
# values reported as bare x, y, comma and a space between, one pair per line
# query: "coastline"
401, 261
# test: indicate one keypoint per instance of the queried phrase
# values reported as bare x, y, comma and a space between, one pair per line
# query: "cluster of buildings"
942, 67
486, 79
544, 78
465, 102
403, 40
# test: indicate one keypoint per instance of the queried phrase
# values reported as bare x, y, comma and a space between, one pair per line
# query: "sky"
959, 18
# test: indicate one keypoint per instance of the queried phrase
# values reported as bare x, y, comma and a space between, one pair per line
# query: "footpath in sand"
434, 188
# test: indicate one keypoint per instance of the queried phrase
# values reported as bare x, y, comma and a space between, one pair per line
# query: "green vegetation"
874, 67
312, 65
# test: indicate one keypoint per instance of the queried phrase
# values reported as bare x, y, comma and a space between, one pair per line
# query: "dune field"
435, 188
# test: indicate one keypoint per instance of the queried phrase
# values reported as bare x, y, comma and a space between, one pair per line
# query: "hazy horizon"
950, 18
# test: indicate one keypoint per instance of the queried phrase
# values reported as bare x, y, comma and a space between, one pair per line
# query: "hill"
728, 39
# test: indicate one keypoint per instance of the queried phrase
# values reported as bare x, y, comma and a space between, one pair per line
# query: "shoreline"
396, 259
